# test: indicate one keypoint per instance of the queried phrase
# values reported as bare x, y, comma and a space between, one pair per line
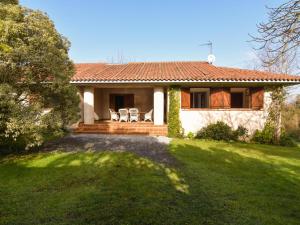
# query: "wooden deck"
109, 127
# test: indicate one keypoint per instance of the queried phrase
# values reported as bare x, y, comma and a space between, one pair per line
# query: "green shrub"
174, 124
264, 136
286, 140
221, 131
240, 133
190, 135
294, 134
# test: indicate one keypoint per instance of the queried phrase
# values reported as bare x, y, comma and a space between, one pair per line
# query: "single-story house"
209, 93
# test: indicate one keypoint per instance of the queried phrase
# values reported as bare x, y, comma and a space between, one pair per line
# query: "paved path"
154, 148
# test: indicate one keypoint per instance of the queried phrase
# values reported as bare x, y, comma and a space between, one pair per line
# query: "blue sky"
156, 30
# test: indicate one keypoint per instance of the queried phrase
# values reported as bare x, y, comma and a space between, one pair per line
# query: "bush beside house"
221, 131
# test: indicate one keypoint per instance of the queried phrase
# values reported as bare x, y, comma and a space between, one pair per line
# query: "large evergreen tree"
35, 71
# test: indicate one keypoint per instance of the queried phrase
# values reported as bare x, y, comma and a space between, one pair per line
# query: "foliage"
240, 133
190, 135
221, 131
272, 129
35, 71
293, 133
265, 136
9, 2
174, 124
291, 118
234, 182
216, 131
286, 140
25, 126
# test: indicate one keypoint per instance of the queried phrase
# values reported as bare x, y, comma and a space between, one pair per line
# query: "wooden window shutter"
226, 98
257, 97
247, 98
215, 97
220, 98
185, 98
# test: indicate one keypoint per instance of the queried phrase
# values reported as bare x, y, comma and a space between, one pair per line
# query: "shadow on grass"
214, 184
87, 188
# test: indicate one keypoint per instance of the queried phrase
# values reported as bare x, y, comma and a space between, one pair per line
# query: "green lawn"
213, 183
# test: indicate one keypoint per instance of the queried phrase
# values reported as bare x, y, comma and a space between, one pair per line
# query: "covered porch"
96, 102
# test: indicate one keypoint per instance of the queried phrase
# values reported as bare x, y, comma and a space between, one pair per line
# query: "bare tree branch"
281, 33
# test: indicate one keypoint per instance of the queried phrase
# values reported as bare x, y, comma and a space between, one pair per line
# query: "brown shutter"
247, 99
226, 98
219, 98
185, 98
257, 98
215, 97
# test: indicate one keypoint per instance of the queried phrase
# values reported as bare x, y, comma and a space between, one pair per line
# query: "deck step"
123, 128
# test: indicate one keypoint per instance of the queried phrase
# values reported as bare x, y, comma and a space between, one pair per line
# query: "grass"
214, 183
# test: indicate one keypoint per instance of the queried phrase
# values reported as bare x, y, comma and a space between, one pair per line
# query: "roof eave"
286, 82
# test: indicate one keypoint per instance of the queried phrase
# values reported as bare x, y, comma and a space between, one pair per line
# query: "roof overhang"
269, 82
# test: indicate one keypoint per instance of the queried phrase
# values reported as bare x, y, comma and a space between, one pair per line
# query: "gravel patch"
154, 148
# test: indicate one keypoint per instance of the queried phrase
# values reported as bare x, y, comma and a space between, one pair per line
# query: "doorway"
119, 101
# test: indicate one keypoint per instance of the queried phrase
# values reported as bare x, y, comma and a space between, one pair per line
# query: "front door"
119, 101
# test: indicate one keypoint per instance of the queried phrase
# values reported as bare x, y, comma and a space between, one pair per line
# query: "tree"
278, 41
35, 73
281, 33
14, 2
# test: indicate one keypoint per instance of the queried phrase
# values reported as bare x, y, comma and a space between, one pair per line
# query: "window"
199, 97
239, 98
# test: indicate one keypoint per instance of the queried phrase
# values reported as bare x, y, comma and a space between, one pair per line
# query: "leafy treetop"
34, 66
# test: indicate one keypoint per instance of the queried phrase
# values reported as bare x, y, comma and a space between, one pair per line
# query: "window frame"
200, 90
246, 94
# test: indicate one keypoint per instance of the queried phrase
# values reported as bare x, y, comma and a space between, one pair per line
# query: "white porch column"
158, 97
88, 105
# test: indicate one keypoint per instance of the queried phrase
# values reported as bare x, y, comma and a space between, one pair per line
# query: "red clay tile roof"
171, 71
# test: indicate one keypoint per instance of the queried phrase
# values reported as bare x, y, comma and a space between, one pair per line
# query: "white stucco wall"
193, 120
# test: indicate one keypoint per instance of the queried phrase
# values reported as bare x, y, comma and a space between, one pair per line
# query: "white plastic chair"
113, 115
96, 117
148, 116
123, 115
134, 115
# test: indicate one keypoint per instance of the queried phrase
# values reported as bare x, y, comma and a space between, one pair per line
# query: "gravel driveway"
154, 148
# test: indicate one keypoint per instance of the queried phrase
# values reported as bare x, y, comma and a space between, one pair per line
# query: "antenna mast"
209, 43
211, 58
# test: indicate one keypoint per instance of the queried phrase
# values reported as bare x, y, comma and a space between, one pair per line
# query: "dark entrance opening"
119, 101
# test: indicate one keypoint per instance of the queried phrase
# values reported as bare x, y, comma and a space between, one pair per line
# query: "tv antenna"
209, 43
210, 58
